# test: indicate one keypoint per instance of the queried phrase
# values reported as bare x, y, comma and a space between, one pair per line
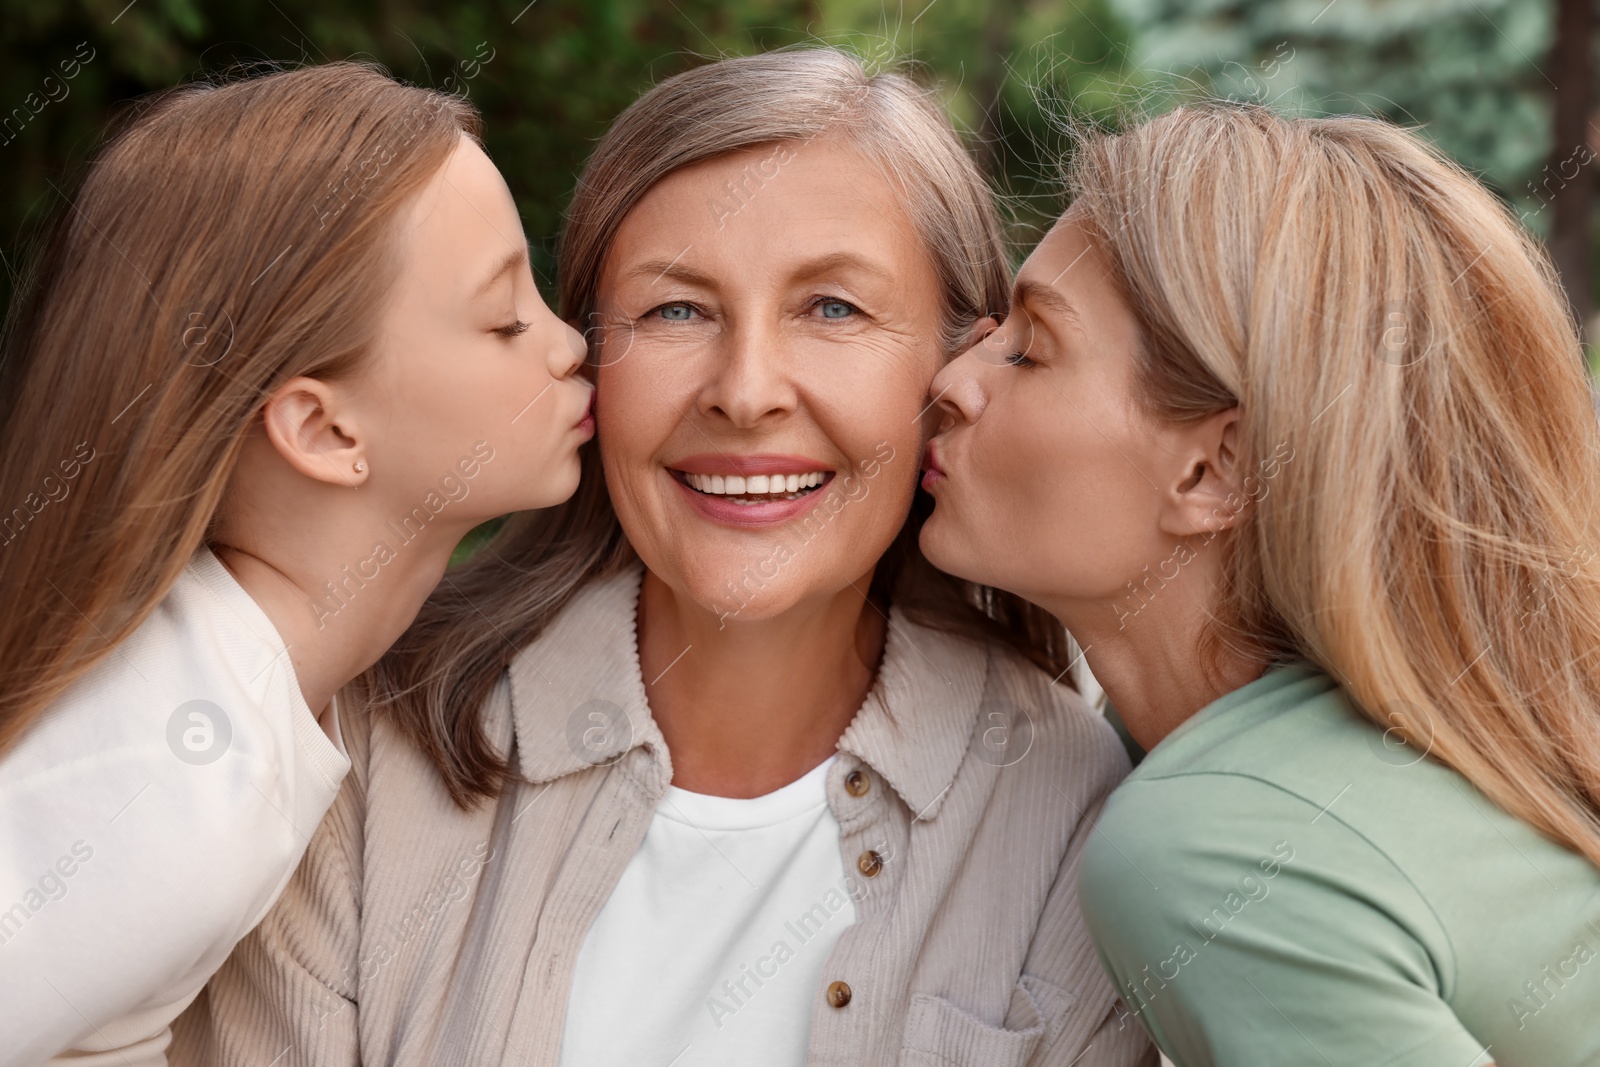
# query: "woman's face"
767, 325
473, 398
1049, 479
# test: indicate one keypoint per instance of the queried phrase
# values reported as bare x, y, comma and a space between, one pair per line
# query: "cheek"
633, 415
1065, 499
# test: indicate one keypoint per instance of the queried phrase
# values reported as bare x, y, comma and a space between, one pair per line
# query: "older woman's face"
767, 327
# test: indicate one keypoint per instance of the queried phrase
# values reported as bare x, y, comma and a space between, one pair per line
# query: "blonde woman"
1289, 426
282, 353
708, 767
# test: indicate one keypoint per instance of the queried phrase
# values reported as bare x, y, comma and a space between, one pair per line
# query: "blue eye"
675, 312
836, 309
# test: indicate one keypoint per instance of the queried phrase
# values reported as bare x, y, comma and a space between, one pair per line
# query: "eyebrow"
656, 269
1040, 295
839, 261
511, 262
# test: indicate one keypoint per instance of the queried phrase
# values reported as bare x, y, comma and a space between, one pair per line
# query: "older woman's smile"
750, 490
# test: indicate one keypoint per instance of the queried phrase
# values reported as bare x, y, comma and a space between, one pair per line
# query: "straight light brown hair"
436, 678
229, 238
1367, 303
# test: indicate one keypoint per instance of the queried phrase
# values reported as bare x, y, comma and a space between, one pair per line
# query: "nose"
566, 358
751, 381
957, 390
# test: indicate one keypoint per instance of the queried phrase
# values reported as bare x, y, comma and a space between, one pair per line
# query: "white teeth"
780, 485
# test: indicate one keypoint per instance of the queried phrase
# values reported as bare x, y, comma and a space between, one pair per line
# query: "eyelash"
817, 303
659, 308
1017, 359
513, 329
821, 300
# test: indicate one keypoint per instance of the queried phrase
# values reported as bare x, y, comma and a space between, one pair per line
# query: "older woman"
709, 766
1289, 426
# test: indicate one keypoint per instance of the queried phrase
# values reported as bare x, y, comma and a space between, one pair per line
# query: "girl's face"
766, 329
472, 398
1050, 481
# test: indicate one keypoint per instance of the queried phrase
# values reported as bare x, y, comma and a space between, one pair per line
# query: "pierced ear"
1204, 496
303, 422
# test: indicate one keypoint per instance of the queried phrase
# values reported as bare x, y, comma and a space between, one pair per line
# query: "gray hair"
446, 665
798, 95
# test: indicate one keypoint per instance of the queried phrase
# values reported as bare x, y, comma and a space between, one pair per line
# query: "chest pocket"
939, 1034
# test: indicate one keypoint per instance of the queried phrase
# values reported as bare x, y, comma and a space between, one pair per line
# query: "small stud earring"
360, 467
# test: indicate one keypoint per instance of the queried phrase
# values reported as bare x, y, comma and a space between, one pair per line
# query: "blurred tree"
1571, 70
1468, 71
548, 75
1478, 76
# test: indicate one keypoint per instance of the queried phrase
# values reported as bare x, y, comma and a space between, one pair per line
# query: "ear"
305, 425
1203, 496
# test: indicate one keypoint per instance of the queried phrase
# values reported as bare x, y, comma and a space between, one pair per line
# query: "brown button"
857, 784
870, 863
838, 994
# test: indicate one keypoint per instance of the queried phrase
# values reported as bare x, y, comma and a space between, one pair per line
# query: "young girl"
283, 351
1289, 425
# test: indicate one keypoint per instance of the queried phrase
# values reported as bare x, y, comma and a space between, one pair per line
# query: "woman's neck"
1150, 661
337, 603
746, 707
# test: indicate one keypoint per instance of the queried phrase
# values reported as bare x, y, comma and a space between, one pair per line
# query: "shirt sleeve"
1243, 926
127, 893
289, 994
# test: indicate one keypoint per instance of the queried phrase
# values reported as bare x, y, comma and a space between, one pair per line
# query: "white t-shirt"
711, 949
148, 821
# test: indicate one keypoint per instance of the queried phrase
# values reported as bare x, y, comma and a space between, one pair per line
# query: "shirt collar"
578, 701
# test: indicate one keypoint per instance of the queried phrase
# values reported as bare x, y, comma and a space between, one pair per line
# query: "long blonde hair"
228, 238
441, 671
1369, 305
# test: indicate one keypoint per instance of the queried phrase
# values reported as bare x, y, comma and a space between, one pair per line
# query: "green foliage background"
550, 75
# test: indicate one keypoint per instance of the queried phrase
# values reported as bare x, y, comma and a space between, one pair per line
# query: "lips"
932, 473
750, 490
586, 423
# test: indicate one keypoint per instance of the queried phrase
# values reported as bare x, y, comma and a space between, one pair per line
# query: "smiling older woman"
744, 779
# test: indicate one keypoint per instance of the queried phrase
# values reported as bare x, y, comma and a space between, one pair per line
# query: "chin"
934, 541
754, 588
550, 491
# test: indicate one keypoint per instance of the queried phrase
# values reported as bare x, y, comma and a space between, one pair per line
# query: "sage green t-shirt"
1282, 882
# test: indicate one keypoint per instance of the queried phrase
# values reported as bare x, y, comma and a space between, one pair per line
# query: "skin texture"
440, 379
800, 319
1053, 482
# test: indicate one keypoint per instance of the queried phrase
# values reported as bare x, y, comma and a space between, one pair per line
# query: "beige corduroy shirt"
415, 934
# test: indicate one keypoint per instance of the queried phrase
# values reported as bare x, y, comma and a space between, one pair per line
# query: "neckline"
802, 796
1275, 677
